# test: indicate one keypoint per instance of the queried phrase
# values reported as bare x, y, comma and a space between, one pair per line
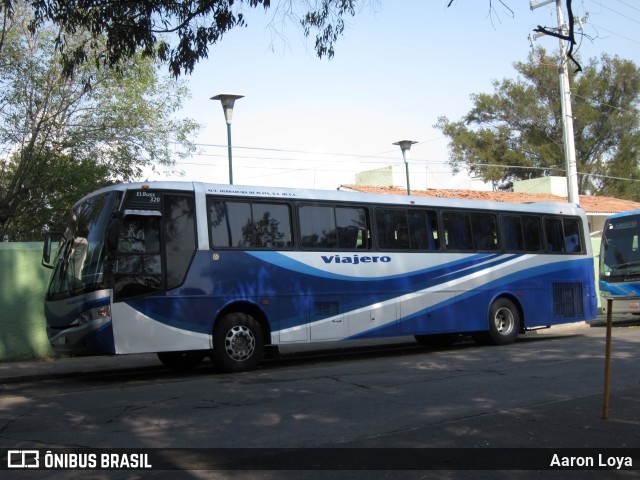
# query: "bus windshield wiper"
624, 265
64, 255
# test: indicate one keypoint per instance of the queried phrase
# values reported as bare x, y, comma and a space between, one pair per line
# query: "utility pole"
567, 112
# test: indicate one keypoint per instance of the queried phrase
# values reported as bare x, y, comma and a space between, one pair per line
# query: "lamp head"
227, 100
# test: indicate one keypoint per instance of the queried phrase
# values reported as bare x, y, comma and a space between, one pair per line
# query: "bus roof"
346, 196
625, 214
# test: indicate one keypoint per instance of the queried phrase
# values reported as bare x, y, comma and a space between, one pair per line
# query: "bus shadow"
128, 373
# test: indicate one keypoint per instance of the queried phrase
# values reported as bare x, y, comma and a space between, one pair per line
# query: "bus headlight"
98, 313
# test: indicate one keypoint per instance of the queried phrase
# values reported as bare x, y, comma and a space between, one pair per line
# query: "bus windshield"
79, 263
620, 252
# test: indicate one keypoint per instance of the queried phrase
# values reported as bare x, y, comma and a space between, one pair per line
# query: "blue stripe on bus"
464, 306
219, 285
621, 289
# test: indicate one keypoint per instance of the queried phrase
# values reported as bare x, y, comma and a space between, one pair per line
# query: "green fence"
22, 285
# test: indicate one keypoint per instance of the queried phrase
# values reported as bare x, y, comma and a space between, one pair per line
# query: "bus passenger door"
154, 248
137, 267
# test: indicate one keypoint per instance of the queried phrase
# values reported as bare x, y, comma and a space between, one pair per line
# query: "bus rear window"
563, 235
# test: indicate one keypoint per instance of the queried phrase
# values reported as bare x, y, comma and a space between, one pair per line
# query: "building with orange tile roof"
597, 208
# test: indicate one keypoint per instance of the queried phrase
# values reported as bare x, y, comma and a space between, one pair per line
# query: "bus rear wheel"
238, 343
504, 322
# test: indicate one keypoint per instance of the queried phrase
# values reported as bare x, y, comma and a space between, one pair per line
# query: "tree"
178, 33
60, 139
516, 132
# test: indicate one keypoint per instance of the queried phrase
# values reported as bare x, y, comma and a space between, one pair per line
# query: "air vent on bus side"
567, 300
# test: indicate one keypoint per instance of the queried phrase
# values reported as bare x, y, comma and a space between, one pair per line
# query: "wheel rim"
504, 321
240, 343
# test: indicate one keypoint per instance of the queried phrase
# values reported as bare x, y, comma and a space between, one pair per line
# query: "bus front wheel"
504, 324
238, 343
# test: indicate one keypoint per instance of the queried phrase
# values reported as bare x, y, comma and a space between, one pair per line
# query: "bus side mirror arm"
46, 251
113, 232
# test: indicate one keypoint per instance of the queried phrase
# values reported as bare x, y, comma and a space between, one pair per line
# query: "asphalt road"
544, 391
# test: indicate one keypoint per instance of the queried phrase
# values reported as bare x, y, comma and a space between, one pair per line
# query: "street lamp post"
227, 101
405, 146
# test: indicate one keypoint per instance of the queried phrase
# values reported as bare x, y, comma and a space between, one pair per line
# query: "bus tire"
504, 322
181, 360
238, 343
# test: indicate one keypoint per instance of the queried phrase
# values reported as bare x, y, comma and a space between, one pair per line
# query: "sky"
306, 122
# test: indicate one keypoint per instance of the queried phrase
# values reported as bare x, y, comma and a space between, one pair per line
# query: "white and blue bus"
620, 261
190, 270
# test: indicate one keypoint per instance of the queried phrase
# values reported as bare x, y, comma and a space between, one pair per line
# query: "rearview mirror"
46, 250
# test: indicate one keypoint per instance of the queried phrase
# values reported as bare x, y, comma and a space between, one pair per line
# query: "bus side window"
572, 243
485, 233
393, 231
563, 235
271, 227
415, 230
345, 228
423, 228
240, 224
226, 222
512, 236
457, 231
532, 233
179, 237
317, 227
554, 235
351, 223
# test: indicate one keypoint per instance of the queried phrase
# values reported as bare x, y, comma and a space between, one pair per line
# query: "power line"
289, 170
354, 156
602, 5
378, 160
630, 6
602, 104
615, 33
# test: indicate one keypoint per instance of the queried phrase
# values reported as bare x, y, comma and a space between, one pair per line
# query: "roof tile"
591, 204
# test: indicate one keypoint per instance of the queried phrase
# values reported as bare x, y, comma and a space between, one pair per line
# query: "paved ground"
556, 421
12, 371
